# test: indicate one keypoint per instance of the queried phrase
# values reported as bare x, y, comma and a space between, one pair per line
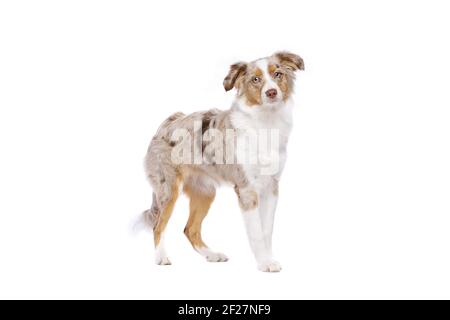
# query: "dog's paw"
270, 266
216, 257
212, 256
162, 261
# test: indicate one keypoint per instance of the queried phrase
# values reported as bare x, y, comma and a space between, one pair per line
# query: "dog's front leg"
267, 208
250, 205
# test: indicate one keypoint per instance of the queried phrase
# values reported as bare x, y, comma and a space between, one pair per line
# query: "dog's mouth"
272, 100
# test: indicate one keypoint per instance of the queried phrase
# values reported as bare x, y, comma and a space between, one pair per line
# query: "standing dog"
180, 158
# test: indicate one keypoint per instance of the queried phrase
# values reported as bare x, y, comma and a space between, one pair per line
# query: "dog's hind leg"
165, 204
165, 180
199, 204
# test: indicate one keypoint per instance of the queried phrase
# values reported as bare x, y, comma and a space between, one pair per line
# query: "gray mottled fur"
163, 174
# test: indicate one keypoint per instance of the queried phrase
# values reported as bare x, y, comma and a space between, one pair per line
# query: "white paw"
216, 257
162, 261
212, 256
270, 266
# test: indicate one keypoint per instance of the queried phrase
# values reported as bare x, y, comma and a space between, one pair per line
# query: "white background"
364, 209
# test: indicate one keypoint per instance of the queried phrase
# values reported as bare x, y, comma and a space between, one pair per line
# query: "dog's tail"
148, 219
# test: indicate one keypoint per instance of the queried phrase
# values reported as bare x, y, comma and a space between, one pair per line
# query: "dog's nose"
271, 93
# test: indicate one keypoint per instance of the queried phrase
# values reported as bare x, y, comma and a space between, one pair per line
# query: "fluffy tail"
149, 218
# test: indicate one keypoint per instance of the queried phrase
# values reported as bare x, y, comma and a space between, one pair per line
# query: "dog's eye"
277, 74
256, 79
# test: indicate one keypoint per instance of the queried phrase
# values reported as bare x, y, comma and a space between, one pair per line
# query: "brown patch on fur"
198, 209
290, 60
236, 70
286, 83
250, 89
166, 213
253, 94
241, 77
272, 68
206, 119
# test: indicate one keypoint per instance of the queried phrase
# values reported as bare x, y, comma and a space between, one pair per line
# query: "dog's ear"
236, 70
290, 60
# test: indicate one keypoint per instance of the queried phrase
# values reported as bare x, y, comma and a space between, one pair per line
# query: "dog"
179, 158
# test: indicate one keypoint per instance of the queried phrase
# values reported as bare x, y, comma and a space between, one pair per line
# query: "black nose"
271, 93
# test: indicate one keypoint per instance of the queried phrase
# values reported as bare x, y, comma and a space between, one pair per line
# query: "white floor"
364, 208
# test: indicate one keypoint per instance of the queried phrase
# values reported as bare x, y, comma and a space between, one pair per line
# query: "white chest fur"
262, 136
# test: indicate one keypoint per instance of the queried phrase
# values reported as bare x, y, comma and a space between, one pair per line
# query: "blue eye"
277, 74
256, 79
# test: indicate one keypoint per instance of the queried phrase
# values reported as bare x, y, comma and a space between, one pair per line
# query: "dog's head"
267, 81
